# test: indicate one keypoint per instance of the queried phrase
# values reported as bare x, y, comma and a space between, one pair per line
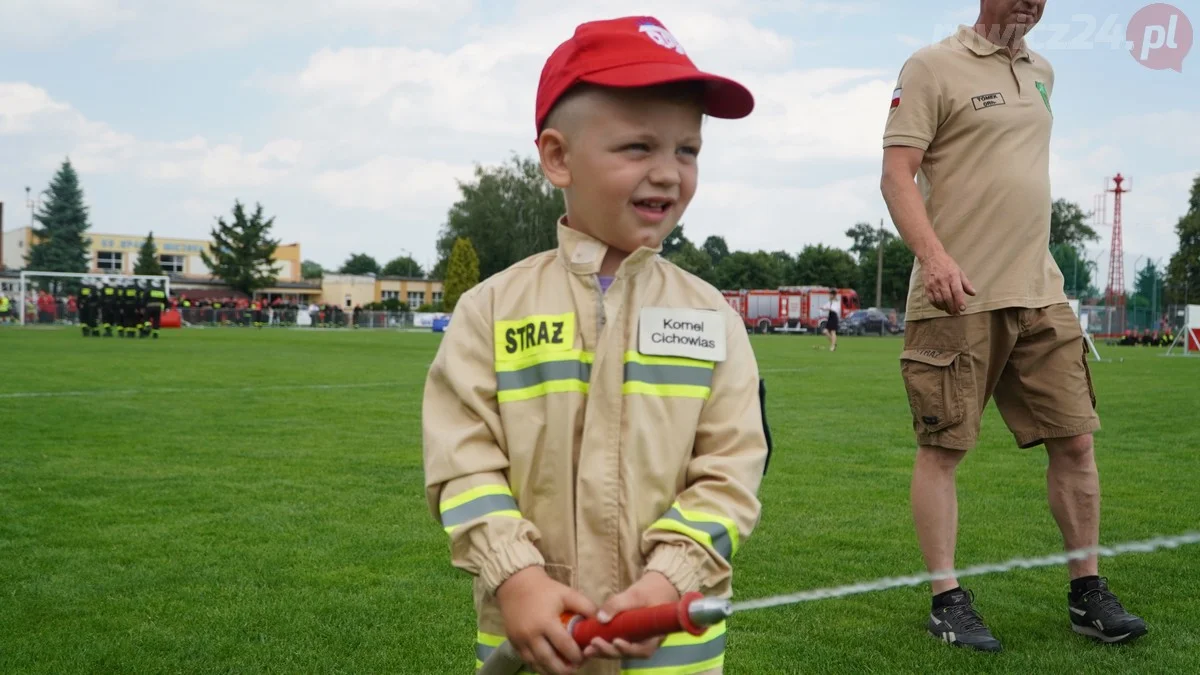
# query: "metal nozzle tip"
708, 611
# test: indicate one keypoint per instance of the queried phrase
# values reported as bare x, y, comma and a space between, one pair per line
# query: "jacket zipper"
599, 306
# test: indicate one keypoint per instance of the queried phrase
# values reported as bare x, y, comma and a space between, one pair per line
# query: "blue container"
440, 323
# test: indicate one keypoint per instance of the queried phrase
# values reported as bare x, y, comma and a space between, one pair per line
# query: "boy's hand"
532, 604
652, 589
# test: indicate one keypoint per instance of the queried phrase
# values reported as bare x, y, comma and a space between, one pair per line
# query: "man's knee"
944, 459
1078, 449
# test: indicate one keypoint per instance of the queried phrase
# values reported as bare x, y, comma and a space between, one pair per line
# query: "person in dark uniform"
108, 306
257, 307
131, 309
156, 299
88, 300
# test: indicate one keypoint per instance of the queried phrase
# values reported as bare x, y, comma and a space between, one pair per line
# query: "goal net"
1188, 339
49, 297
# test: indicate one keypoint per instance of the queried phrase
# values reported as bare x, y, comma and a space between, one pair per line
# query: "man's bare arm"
945, 284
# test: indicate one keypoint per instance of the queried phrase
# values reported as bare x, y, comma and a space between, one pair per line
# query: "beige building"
180, 258
349, 290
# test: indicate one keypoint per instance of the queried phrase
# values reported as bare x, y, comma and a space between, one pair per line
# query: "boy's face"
627, 161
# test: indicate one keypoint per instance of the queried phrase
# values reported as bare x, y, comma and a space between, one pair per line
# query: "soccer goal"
1188, 339
27, 275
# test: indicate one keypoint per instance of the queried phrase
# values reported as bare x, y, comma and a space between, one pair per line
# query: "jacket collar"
583, 254
981, 46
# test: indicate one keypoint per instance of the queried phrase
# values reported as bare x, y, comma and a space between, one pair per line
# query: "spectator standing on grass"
987, 316
833, 314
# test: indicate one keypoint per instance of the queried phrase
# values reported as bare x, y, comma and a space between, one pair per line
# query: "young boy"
593, 423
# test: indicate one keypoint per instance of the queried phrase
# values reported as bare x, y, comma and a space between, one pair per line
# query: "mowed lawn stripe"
268, 527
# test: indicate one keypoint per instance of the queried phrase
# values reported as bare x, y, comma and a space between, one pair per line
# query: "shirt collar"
981, 46
583, 253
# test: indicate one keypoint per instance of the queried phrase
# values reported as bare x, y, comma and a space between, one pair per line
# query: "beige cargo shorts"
1033, 361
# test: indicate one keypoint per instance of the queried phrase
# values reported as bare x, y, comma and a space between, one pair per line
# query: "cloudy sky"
350, 120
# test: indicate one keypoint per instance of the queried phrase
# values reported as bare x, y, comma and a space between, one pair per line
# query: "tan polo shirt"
984, 120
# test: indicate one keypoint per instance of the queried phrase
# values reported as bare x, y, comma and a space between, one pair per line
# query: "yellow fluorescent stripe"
551, 387
679, 639
474, 493
689, 669
502, 514
636, 357
489, 640
676, 526
700, 516
545, 357
666, 390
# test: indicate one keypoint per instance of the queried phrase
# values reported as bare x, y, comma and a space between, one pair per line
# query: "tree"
1068, 225
675, 241
1149, 283
716, 248
1183, 274
742, 269
462, 272
866, 241
147, 262
243, 255
1076, 270
694, 260
311, 270
897, 269
826, 266
404, 266
508, 213
359, 263
60, 244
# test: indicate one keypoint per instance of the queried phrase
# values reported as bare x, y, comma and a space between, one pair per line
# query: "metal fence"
235, 318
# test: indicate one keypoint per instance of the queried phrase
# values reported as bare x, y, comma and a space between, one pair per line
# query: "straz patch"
987, 100
690, 333
536, 334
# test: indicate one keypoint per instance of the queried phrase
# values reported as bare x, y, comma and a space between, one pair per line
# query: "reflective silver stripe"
476, 508
543, 372
668, 374
680, 655
720, 535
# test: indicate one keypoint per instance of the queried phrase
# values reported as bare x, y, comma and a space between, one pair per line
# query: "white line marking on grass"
190, 390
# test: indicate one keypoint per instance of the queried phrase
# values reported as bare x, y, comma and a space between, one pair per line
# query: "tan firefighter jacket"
598, 435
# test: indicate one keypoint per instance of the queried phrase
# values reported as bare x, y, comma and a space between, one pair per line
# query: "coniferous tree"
242, 252
61, 244
147, 263
462, 272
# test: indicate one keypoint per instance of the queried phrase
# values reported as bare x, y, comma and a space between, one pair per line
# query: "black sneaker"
960, 625
1098, 614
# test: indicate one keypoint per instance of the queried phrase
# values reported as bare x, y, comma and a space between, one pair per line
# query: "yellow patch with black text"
534, 335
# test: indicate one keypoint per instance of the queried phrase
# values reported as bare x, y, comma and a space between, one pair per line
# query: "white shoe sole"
1092, 632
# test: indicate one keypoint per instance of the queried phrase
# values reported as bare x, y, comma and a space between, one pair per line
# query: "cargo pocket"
931, 377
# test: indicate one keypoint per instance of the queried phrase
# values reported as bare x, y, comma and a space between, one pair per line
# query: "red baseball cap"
632, 51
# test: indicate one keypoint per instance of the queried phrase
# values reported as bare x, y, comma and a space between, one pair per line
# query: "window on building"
109, 260
390, 295
437, 297
171, 263
416, 298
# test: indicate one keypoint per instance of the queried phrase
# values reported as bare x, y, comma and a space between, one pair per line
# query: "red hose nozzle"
692, 614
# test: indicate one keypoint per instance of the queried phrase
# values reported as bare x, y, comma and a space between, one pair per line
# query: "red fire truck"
789, 309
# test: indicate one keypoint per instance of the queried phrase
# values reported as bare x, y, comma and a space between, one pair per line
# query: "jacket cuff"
506, 561
672, 561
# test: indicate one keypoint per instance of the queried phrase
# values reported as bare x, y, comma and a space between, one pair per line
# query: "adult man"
971, 119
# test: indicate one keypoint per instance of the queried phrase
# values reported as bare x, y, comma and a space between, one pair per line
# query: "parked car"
871, 321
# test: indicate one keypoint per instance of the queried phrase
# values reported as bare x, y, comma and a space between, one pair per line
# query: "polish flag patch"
896, 98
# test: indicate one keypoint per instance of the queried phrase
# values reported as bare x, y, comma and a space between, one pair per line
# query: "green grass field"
252, 501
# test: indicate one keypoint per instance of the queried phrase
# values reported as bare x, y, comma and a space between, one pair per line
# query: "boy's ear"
552, 151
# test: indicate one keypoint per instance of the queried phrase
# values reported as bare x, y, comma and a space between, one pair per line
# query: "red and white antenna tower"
1114, 295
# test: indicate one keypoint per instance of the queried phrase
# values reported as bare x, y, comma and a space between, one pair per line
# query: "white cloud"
391, 184
42, 23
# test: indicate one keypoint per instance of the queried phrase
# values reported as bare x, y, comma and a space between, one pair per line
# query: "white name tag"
690, 333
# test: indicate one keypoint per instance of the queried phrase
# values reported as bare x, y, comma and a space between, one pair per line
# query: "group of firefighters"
131, 307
